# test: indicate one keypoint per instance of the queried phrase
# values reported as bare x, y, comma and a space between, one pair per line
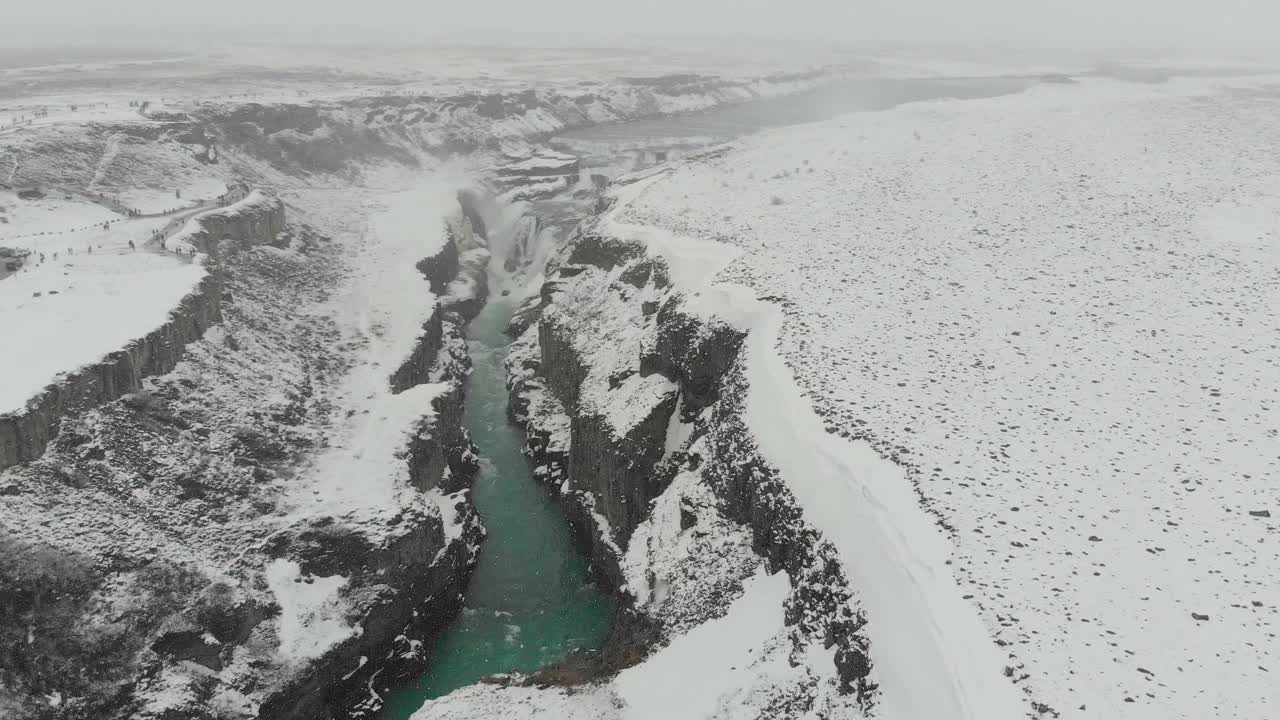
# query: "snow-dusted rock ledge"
25, 434
635, 398
278, 526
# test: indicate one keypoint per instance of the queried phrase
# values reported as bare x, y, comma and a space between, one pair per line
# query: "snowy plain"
1056, 312
90, 294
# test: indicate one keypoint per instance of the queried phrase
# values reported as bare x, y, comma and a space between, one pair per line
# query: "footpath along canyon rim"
963, 406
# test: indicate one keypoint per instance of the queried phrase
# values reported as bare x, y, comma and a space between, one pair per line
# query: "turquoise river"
531, 600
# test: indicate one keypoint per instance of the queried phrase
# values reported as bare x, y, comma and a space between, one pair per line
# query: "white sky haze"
1236, 25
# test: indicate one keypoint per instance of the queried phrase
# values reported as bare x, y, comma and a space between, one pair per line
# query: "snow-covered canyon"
251, 499
961, 408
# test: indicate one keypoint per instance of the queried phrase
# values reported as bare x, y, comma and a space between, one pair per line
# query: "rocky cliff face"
25, 435
324, 137
426, 565
156, 560
623, 389
228, 229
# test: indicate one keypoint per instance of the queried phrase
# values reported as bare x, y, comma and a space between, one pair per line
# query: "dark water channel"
531, 600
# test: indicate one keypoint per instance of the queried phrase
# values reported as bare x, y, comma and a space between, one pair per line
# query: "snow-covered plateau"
1011, 363
956, 410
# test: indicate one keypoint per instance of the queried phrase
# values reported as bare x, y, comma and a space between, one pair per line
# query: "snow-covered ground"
300, 369
46, 94
191, 191
59, 109
87, 286
1055, 312
59, 221
64, 312
1051, 314
382, 311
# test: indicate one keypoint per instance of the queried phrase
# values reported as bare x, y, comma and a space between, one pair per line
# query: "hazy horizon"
1228, 27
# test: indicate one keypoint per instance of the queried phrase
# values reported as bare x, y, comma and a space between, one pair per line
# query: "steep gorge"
214, 439
623, 388
146, 547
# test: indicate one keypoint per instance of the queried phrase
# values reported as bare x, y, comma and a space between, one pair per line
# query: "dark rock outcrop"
603, 251
695, 352
618, 474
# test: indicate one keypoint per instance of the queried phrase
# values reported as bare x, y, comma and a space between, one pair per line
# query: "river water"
862, 94
531, 600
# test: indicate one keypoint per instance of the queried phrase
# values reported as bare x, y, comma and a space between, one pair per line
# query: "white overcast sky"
1066, 24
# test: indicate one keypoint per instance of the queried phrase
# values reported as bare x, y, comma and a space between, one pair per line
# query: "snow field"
312, 614
363, 475
1055, 312
947, 667
194, 191
55, 223
60, 315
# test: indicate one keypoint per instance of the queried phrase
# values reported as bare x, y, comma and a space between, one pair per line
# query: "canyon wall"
425, 565
25, 435
155, 557
621, 389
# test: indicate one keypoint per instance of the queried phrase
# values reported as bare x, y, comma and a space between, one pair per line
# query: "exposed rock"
643, 272
25, 435
688, 516
113, 602
693, 351
525, 316
603, 251
617, 457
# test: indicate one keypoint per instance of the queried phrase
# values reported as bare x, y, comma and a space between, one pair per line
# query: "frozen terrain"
69, 312
383, 310
959, 410
87, 288
254, 503
1055, 313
